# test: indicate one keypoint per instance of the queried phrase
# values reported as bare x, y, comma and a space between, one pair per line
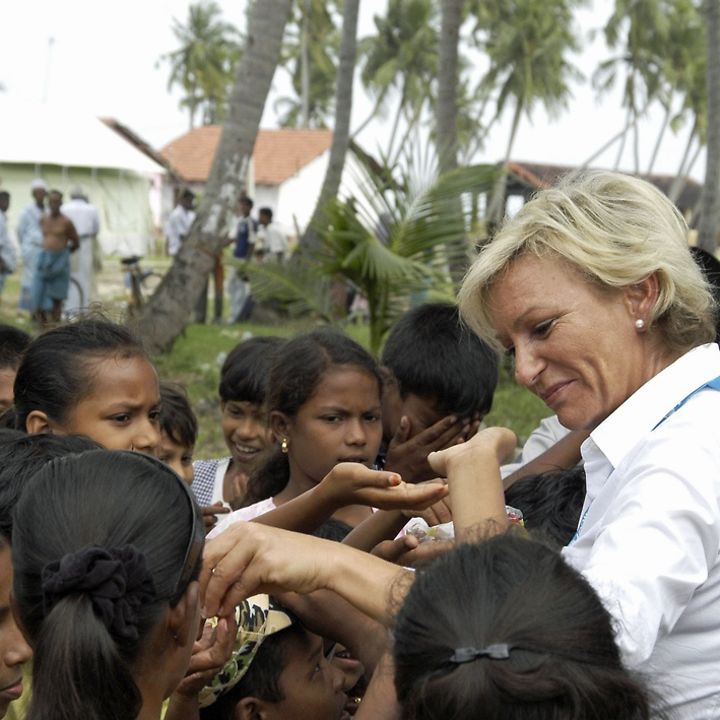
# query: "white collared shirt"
84, 217
649, 535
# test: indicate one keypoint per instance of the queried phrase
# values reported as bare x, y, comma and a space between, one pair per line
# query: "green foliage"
390, 243
402, 57
660, 48
528, 44
204, 64
313, 29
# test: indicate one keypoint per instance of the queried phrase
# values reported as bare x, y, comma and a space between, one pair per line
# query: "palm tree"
343, 110
640, 32
527, 43
388, 243
446, 111
710, 203
203, 66
163, 318
310, 56
447, 95
401, 57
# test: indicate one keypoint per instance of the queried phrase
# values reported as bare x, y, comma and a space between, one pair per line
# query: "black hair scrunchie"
117, 581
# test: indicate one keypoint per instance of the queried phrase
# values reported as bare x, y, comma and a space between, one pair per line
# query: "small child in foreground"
277, 671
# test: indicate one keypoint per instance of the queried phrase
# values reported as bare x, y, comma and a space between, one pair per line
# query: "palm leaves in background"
390, 242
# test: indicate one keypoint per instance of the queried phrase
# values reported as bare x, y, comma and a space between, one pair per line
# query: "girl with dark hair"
91, 378
107, 548
324, 408
507, 626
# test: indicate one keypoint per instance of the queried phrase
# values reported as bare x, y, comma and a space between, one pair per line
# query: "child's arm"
349, 484
473, 473
380, 701
386, 524
330, 616
564, 454
209, 656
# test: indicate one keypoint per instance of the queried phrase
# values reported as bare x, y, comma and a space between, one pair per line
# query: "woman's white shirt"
649, 535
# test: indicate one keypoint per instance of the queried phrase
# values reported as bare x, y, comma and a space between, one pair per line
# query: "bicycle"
136, 283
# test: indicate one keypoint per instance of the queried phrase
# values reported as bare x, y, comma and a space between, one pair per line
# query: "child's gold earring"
284, 445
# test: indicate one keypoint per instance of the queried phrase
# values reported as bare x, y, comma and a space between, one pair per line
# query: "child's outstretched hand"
496, 442
409, 455
210, 513
210, 653
351, 483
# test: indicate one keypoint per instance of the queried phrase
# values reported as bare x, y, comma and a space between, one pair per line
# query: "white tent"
68, 149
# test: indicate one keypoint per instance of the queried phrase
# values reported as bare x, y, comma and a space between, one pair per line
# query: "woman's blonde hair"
617, 230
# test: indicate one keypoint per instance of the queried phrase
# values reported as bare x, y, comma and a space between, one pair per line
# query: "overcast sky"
100, 57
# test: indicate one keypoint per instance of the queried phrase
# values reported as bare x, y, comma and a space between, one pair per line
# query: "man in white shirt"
85, 218
179, 222
30, 239
270, 241
8, 254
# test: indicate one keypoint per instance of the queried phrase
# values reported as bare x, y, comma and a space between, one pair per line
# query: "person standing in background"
243, 236
8, 254
84, 217
179, 222
272, 241
52, 273
30, 238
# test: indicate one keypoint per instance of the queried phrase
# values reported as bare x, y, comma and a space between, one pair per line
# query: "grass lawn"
196, 358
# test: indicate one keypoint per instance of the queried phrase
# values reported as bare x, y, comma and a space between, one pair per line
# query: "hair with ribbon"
507, 626
104, 542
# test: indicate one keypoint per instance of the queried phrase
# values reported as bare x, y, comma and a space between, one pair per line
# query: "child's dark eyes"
371, 417
332, 418
121, 418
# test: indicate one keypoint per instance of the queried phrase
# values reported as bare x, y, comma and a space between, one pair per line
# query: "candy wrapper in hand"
424, 532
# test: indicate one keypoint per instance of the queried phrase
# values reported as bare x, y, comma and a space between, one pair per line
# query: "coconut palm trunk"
446, 111
343, 110
167, 313
710, 204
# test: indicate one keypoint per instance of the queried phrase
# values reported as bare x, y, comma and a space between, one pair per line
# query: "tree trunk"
167, 313
680, 180
446, 114
496, 208
343, 110
305, 65
629, 122
446, 110
710, 207
619, 136
661, 135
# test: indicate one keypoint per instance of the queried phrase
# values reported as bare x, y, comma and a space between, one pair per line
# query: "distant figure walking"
52, 271
30, 238
85, 218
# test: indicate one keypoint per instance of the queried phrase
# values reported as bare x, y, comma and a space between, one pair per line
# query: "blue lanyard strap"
713, 384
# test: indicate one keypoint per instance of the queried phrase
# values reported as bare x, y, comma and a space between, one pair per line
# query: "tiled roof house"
286, 173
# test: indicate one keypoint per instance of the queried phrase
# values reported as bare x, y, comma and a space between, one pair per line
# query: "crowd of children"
107, 545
